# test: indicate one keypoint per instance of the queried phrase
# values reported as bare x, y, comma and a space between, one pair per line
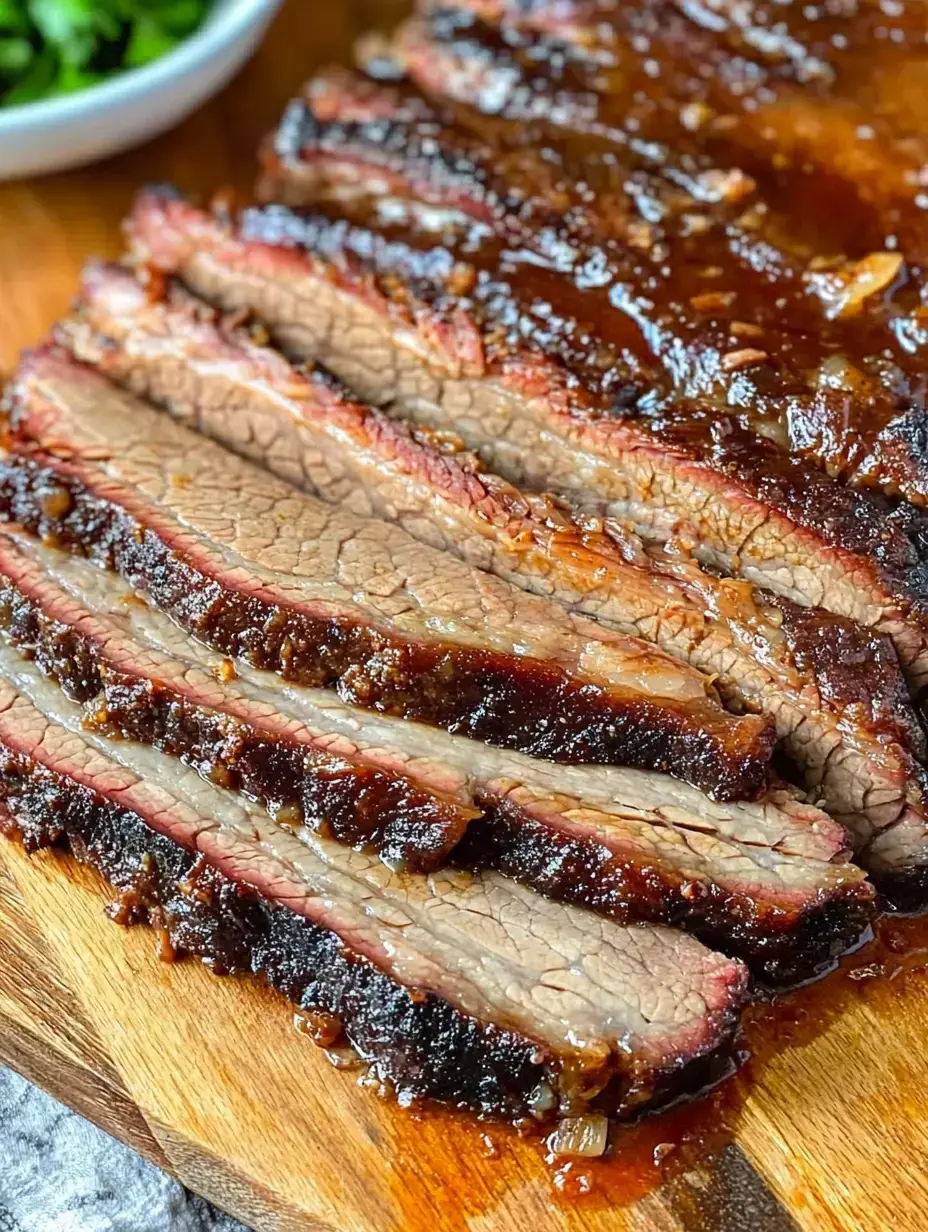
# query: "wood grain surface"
207, 1076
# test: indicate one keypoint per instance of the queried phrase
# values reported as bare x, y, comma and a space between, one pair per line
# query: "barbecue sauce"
693, 217
663, 1147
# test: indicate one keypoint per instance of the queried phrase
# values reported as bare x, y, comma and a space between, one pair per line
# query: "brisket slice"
821, 361
257, 569
465, 988
139, 677
826, 111
834, 689
384, 316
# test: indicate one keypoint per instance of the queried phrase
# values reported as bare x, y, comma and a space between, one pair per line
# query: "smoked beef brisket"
460, 987
822, 104
401, 320
258, 570
558, 454
834, 689
769, 882
735, 500
692, 291
757, 202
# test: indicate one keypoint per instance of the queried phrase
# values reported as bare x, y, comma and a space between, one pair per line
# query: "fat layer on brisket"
258, 569
834, 689
657, 851
461, 987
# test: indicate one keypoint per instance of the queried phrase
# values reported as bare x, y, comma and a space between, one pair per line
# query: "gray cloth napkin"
58, 1173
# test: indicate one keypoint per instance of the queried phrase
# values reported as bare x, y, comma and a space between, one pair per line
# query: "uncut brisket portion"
654, 857
383, 315
691, 291
826, 110
833, 688
257, 569
465, 988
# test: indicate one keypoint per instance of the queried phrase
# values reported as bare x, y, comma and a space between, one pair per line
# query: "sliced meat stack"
461, 987
768, 881
735, 503
258, 570
483, 589
833, 689
382, 309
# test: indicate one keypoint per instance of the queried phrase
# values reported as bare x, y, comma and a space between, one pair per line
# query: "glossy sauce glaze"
678, 291
639, 205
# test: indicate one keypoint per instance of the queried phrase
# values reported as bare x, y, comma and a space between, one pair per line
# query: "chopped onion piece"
343, 1058
542, 1100
580, 1136
843, 292
837, 372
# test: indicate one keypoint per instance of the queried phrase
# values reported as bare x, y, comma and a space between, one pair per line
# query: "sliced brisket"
394, 731
257, 569
387, 318
695, 289
657, 852
778, 820
413, 813
834, 689
462, 988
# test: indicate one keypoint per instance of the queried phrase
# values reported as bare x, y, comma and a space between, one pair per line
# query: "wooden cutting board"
208, 1078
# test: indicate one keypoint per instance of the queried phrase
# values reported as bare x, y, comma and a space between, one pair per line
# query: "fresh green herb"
54, 47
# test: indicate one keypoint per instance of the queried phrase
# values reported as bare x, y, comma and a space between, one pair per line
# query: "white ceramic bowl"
133, 106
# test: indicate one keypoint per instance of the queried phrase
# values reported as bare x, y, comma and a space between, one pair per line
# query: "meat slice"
777, 821
833, 689
388, 319
257, 569
719, 297
656, 851
464, 988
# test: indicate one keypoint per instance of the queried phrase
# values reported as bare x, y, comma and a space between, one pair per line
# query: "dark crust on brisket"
471, 692
807, 104
305, 152
418, 1042
894, 540
357, 803
905, 892
852, 667
781, 945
